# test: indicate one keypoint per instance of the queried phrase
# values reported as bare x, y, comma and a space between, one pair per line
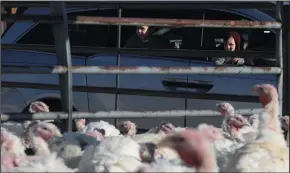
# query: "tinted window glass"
188, 38
254, 38
80, 35
106, 36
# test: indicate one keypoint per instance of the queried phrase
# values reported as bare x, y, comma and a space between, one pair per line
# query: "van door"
235, 84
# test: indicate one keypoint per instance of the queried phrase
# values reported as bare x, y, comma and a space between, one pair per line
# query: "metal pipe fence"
147, 5
12, 69
279, 54
119, 114
60, 20
125, 21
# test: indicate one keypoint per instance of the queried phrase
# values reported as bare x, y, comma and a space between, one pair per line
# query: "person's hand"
235, 60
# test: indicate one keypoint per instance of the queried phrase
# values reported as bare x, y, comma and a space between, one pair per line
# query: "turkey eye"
101, 131
180, 139
44, 128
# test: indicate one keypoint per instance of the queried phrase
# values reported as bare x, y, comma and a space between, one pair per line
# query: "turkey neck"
270, 117
39, 145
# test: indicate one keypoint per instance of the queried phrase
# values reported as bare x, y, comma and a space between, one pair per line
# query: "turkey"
38, 106
127, 128
165, 128
39, 133
10, 161
223, 146
102, 127
10, 143
155, 135
254, 121
193, 148
80, 124
243, 131
113, 154
70, 147
16, 128
34, 107
227, 110
164, 166
19, 129
285, 125
50, 163
269, 151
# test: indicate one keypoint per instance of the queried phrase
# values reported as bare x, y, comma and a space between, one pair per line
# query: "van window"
252, 39
80, 35
187, 38
106, 35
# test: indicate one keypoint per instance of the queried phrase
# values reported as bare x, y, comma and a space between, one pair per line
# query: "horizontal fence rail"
180, 53
91, 20
11, 69
119, 114
150, 4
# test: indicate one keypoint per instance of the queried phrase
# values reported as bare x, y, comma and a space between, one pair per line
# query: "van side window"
213, 37
80, 35
255, 38
187, 38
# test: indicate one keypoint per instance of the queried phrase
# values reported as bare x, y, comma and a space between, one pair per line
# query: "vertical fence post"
286, 36
63, 53
279, 53
118, 64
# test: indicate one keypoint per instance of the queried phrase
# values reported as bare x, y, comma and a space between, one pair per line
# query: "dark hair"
236, 36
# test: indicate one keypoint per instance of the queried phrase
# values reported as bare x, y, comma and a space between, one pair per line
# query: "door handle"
199, 86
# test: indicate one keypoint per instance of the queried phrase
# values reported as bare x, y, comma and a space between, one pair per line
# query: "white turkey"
102, 127
269, 151
39, 134
164, 166
50, 163
223, 146
70, 147
193, 148
127, 128
10, 143
285, 125
19, 129
157, 134
254, 120
113, 154
242, 132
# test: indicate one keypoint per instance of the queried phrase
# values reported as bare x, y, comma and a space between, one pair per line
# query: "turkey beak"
58, 134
